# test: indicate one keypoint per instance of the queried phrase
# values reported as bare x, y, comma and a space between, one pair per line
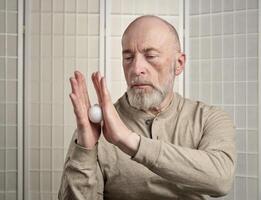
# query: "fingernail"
77, 73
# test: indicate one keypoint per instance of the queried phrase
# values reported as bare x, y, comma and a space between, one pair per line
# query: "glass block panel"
252, 165
11, 159
252, 141
252, 189
241, 136
11, 181
46, 181
65, 38
241, 188
233, 81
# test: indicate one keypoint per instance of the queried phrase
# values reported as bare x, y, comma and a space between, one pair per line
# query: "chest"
179, 130
127, 179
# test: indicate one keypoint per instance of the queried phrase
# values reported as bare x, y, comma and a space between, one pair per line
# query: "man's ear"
180, 63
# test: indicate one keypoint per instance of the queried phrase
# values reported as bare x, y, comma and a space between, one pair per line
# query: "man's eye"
128, 58
151, 56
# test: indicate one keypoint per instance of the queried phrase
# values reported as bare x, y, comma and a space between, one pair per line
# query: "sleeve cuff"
148, 152
84, 156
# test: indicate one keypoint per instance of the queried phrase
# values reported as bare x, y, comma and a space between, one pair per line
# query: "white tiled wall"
8, 98
63, 36
223, 65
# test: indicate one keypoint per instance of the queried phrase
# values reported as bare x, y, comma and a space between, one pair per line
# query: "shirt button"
148, 122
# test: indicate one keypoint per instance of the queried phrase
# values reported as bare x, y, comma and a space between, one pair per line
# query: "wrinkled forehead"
147, 35
143, 39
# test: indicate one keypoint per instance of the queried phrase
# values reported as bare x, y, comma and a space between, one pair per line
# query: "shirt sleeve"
208, 169
82, 178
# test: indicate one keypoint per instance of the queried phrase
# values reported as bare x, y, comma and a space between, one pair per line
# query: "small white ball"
95, 114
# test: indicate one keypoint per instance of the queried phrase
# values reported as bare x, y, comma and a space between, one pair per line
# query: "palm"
108, 127
88, 133
113, 127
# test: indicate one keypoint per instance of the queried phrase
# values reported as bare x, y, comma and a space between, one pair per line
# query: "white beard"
145, 100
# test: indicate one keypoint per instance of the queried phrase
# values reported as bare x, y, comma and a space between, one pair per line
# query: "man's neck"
164, 104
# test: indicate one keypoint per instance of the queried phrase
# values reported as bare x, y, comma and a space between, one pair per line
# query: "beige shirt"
185, 152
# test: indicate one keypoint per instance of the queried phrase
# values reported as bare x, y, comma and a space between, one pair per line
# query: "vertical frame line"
27, 96
234, 85
5, 103
52, 101
182, 39
186, 49
20, 84
107, 53
246, 105
102, 37
40, 100
259, 98
211, 53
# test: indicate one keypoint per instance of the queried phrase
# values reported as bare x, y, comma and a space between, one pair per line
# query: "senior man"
153, 144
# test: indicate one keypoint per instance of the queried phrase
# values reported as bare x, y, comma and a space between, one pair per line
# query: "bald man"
153, 144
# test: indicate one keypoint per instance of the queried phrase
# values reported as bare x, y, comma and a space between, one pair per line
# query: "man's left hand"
114, 130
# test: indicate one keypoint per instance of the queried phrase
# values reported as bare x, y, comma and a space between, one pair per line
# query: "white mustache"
141, 81
138, 80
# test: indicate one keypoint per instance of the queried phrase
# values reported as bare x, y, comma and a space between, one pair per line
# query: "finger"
74, 85
76, 105
105, 92
94, 80
84, 88
79, 81
85, 92
98, 82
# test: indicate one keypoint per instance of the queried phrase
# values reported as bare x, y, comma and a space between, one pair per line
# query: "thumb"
105, 92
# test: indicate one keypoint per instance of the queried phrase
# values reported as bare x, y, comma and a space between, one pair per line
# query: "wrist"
129, 144
85, 141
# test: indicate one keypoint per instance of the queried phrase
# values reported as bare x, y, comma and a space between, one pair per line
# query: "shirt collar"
136, 114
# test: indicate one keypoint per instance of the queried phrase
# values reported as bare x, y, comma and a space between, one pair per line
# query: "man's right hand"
88, 132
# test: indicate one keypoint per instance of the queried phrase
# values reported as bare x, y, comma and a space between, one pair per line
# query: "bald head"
155, 22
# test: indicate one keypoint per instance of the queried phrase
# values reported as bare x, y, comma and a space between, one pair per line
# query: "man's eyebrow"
126, 51
146, 50
151, 49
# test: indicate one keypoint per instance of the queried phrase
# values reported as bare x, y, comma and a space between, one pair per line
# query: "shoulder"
200, 111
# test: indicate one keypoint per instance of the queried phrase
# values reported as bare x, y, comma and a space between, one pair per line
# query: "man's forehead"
150, 30
145, 40
147, 33
146, 28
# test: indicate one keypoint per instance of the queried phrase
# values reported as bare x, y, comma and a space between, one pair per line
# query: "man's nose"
139, 65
